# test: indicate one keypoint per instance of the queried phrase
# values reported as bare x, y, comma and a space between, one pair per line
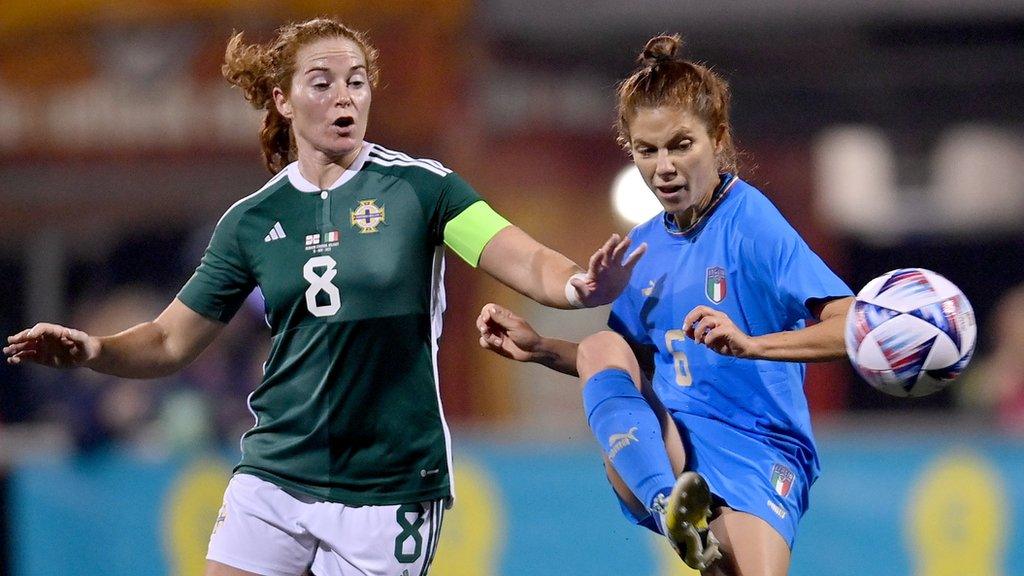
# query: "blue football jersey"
743, 258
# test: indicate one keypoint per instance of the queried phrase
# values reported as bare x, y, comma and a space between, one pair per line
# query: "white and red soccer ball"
910, 332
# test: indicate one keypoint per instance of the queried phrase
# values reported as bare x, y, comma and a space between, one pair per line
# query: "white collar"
302, 185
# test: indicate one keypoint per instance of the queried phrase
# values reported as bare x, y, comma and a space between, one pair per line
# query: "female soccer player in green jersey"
348, 468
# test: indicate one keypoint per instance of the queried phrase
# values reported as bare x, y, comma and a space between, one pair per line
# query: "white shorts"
263, 529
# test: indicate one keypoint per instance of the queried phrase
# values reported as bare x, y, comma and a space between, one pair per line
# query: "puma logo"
620, 441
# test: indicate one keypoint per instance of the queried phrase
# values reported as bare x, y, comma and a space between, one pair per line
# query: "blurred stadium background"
890, 135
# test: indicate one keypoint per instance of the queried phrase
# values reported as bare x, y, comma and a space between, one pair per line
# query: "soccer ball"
910, 332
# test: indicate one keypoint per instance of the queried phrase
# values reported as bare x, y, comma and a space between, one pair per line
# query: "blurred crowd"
993, 386
201, 408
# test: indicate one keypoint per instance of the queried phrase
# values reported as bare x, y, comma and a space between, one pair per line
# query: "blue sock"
629, 433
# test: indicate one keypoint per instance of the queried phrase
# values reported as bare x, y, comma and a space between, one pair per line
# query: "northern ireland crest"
367, 216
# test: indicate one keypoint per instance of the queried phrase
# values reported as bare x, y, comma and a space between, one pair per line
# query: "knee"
605, 350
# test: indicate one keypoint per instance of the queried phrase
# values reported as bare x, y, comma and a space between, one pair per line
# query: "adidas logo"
276, 233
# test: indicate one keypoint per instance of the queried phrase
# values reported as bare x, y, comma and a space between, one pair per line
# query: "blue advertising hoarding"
886, 504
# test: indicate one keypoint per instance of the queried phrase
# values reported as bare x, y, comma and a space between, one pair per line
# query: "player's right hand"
51, 345
502, 332
608, 271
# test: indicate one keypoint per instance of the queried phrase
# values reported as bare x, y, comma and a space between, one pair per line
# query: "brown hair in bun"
665, 79
660, 49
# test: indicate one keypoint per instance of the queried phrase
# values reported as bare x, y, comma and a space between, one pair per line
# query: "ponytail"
258, 69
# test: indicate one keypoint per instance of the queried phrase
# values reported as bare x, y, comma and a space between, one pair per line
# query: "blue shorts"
745, 473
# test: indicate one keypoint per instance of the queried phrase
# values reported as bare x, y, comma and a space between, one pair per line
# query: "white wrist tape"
570, 291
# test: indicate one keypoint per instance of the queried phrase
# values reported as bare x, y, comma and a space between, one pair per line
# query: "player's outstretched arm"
509, 335
534, 270
821, 342
149, 350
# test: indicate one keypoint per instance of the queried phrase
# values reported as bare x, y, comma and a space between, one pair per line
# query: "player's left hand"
608, 272
714, 329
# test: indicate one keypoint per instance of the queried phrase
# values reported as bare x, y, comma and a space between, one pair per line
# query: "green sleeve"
222, 282
450, 196
472, 229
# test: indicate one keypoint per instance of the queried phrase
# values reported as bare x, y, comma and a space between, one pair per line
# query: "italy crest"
715, 287
367, 216
782, 479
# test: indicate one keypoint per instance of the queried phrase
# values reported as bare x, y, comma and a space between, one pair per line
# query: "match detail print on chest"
326, 234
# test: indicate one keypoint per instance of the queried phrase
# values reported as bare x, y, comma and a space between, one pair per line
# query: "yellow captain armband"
472, 229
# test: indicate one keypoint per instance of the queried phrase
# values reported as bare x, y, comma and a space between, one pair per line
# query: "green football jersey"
348, 409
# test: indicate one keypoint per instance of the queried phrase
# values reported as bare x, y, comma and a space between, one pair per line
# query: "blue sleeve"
795, 273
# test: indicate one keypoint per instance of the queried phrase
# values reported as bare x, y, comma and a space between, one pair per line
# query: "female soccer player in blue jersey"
348, 469
703, 371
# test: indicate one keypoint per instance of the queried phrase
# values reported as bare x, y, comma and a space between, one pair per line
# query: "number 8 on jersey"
321, 283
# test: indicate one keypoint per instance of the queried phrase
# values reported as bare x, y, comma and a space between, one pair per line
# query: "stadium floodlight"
631, 197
